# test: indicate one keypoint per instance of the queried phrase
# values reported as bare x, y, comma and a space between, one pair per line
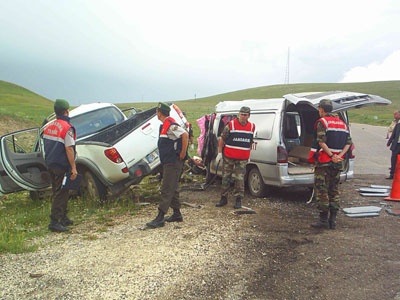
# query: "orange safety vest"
54, 147
238, 144
337, 133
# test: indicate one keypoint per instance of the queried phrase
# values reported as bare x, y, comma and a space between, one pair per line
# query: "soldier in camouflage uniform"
333, 141
234, 148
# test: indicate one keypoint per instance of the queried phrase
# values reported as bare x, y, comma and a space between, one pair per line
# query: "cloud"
131, 50
388, 69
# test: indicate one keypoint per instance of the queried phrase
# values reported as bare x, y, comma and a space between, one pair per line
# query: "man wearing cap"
332, 140
234, 148
172, 147
59, 148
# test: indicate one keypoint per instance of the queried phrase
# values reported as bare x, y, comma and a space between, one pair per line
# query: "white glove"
192, 147
218, 158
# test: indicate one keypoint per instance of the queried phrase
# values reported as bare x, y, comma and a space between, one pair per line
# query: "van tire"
256, 184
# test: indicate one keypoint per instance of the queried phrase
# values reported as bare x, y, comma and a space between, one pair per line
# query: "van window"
264, 125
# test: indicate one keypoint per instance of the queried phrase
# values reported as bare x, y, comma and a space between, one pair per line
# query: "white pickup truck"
114, 151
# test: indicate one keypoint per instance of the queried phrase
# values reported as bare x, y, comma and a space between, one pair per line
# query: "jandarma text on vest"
241, 140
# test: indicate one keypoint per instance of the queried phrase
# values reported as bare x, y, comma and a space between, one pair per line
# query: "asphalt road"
372, 154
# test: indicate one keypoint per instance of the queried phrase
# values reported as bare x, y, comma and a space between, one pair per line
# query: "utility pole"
287, 67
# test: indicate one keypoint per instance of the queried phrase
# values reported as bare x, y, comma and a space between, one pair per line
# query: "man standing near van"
172, 146
59, 148
234, 148
333, 141
394, 143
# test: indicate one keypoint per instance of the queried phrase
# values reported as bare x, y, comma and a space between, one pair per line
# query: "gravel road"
372, 154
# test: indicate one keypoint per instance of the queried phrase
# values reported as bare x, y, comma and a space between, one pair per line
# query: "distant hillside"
386, 89
375, 115
21, 103
27, 107
381, 115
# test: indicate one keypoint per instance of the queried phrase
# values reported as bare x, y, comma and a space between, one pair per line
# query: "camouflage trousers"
233, 172
326, 187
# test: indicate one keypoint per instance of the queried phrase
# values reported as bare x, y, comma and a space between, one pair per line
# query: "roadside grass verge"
24, 221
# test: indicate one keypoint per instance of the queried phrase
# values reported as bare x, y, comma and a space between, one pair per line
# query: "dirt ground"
287, 259
218, 254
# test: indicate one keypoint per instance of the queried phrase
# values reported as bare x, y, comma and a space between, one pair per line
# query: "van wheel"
92, 188
255, 183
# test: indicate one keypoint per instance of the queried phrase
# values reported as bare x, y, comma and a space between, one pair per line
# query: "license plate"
152, 157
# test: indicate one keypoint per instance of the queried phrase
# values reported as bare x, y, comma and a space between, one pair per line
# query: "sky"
144, 51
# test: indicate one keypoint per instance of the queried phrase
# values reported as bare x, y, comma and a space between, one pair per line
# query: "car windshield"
95, 121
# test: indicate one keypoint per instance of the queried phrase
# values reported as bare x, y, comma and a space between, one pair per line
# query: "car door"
7, 185
22, 160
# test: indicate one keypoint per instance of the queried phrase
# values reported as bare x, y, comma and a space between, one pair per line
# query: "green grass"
18, 102
376, 115
23, 221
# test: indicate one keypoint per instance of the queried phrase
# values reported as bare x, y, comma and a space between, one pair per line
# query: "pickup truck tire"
36, 195
92, 188
255, 183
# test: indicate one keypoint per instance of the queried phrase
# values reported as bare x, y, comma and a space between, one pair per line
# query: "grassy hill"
20, 103
375, 115
29, 108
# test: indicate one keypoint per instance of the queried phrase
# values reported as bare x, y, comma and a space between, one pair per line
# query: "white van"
283, 136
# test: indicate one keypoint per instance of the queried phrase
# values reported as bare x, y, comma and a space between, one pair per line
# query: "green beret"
164, 108
245, 110
61, 105
326, 104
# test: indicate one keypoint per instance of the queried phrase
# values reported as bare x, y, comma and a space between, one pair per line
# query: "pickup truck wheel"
36, 196
92, 188
255, 183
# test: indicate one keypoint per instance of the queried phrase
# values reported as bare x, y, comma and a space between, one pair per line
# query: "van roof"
254, 104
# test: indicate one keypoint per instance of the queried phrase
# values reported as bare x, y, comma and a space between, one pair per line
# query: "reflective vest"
168, 148
337, 133
54, 147
238, 143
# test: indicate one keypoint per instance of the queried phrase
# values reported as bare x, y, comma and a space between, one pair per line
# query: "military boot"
238, 203
322, 222
175, 217
56, 226
158, 221
222, 202
65, 221
332, 218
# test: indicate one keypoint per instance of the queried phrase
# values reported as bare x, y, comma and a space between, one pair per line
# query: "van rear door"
341, 100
